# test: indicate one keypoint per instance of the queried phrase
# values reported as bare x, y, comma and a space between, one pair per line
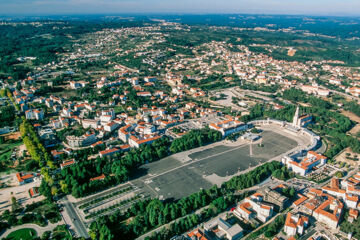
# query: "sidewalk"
37, 228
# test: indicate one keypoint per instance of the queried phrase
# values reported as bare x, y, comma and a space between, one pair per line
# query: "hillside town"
126, 121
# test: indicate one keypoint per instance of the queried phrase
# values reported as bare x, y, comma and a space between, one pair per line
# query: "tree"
148, 214
54, 190
46, 235
14, 204
64, 187
105, 233
339, 174
45, 190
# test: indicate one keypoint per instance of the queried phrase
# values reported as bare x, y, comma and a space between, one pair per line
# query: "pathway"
37, 228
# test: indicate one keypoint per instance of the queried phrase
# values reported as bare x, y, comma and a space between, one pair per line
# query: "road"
72, 218
254, 188
308, 234
346, 95
159, 174
337, 92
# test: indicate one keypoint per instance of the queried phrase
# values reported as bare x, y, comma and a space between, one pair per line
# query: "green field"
23, 234
5, 153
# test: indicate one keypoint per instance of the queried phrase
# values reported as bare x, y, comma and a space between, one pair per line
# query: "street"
71, 217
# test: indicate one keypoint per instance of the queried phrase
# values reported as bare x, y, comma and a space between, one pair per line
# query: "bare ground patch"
344, 157
14, 136
355, 129
351, 115
291, 52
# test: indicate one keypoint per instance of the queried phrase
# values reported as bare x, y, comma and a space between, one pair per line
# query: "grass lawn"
4, 148
5, 153
118, 109
23, 234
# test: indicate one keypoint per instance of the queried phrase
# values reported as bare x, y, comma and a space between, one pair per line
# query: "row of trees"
190, 221
283, 174
34, 145
252, 178
117, 168
149, 214
38, 153
195, 138
120, 167
263, 88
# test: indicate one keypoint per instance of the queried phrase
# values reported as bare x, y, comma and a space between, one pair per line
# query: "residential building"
90, 123
34, 192
109, 152
82, 141
98, 178
254, 206
111, 126
67, 163
24, 178
137, 142
150, 79
76, 85
279, 201
198, 234
222, 229
329, 212
37, 114
295, 224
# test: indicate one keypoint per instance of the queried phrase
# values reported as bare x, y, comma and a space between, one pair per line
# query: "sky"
55, 7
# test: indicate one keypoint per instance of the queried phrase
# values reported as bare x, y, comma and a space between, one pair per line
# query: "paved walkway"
20, 193
37, 228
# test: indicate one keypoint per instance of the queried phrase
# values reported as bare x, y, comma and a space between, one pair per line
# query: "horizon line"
176, 13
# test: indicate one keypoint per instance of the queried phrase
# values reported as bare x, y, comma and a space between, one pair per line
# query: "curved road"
37, 228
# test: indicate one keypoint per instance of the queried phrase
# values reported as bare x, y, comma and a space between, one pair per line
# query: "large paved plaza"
173, 177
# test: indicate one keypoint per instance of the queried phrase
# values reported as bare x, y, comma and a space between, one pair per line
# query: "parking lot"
300, 184
96, 205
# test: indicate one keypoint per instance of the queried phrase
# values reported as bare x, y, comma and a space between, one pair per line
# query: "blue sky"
311, 7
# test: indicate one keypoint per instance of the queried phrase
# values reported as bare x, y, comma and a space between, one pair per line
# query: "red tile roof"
101, 177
